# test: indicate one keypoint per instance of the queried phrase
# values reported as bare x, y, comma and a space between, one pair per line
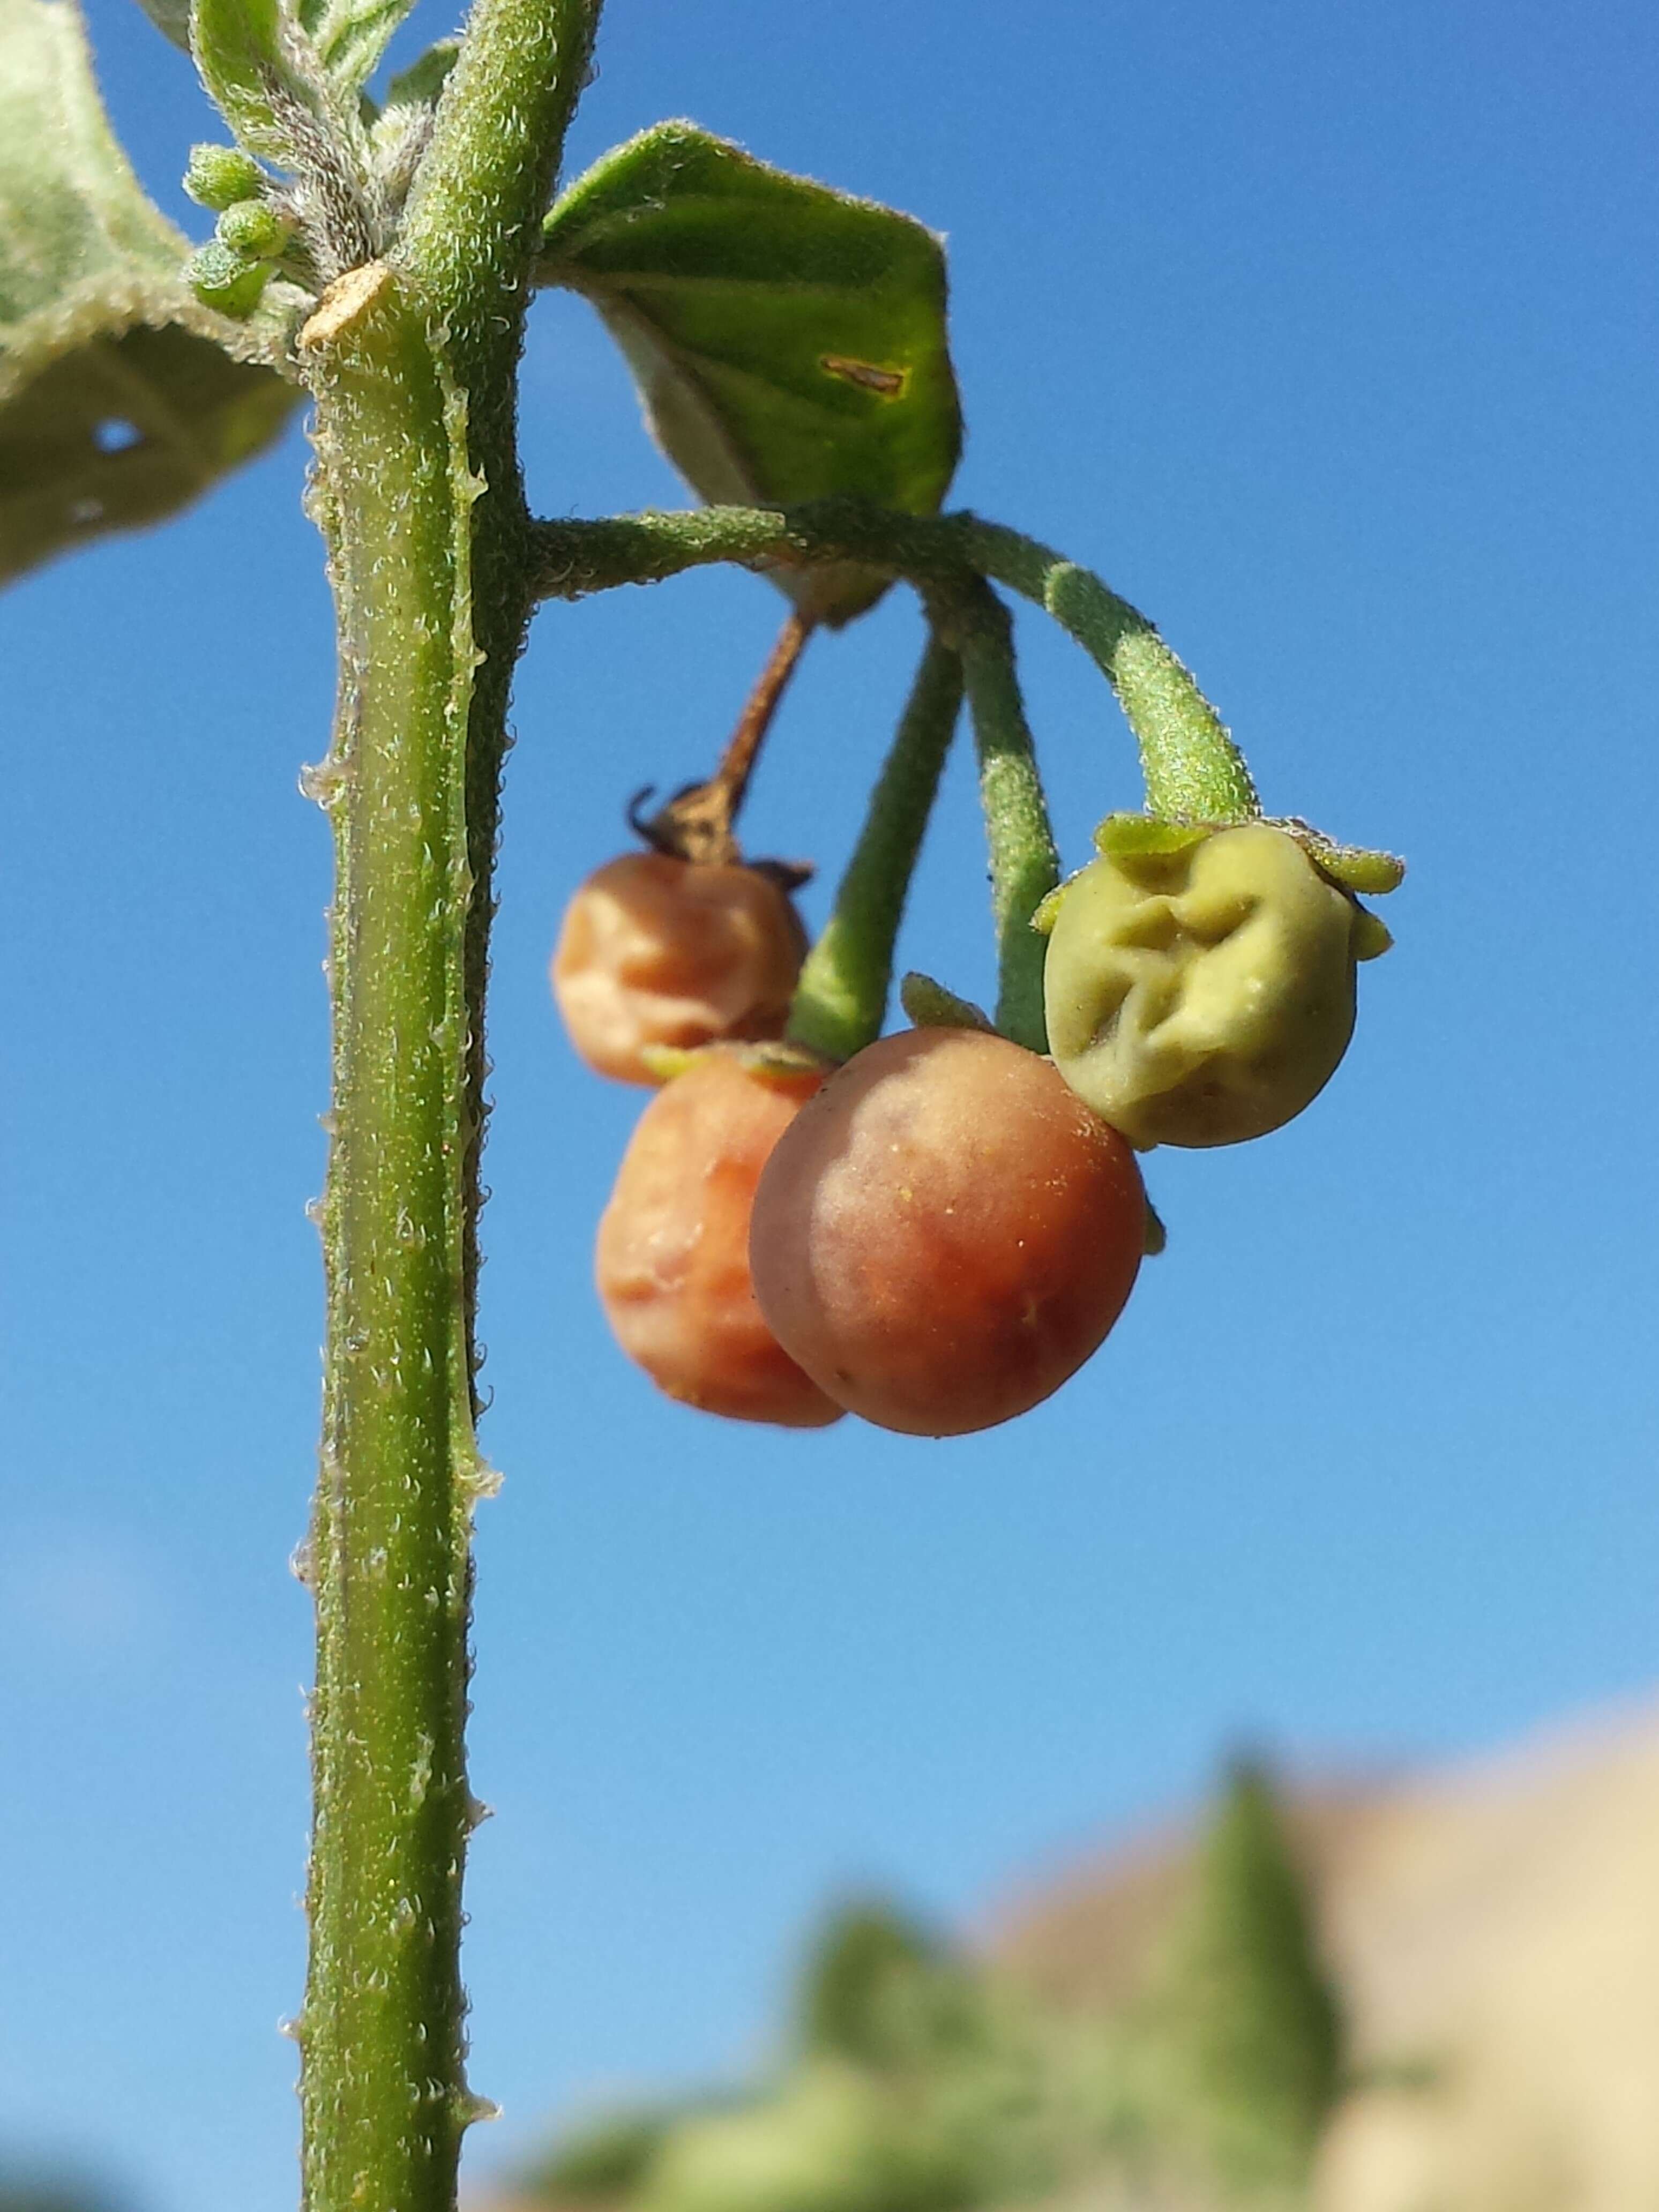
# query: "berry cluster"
934, 1236
935, 1230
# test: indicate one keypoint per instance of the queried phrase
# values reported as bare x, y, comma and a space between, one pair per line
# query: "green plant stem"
1193, 769
841, 1000
472, 225
382, 2084
466, 246
1024, 865
418, 493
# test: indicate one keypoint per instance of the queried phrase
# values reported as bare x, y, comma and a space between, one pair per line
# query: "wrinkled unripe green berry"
1203, 994
252, 230
218, 176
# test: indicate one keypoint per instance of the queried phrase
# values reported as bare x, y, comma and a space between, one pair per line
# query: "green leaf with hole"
118, 403
789, 341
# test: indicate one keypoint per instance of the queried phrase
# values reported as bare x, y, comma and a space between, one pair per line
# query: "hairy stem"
1193, 769
412, 364
465, 248
382, 2082
472, 226
841, 1000
1024, 865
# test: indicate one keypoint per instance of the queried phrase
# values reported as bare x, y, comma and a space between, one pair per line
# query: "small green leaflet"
246, 54
118, 403
267, 78
239, 50
351, 35
425, 77
789, 341
348, 36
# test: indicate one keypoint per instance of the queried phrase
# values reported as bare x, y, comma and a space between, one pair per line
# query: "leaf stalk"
1192, 768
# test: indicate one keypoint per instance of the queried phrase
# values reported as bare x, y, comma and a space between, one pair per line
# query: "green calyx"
1355, 867
1125, 836
1129, 838
1199, 983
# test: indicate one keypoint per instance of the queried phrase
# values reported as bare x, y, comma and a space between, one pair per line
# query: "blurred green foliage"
915, 2079
1249, 2008
37, 2193
118, 402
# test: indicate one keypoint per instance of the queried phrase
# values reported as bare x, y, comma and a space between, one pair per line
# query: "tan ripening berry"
672, 1256
660, 951
946, 1232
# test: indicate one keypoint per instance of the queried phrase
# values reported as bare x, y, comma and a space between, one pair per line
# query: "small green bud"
219, 176
227, 281
1203, 995
253, 231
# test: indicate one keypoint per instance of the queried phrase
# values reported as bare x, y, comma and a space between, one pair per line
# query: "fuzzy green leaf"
351, 35
425, 77
118, 402
237, 45
789, 341
267, 79
171, 18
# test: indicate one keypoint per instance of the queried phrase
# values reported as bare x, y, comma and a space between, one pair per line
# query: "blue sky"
1328, 335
